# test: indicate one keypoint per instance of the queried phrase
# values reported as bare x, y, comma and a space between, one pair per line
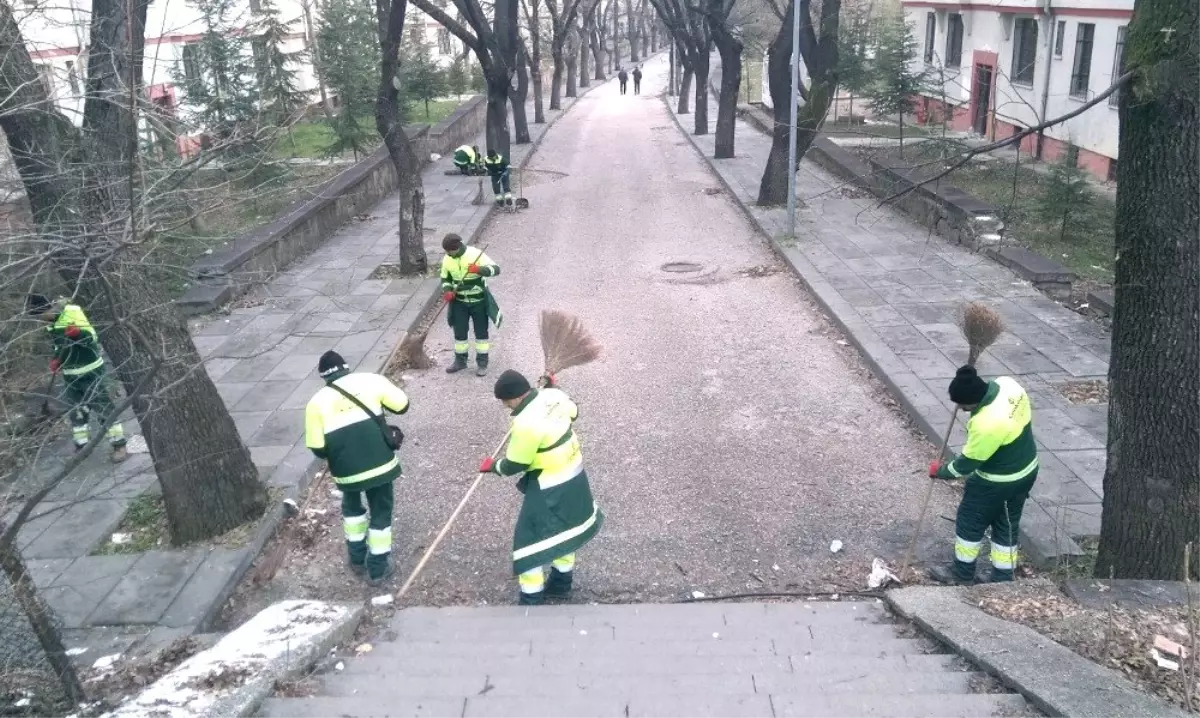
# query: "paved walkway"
894, 288
262, 356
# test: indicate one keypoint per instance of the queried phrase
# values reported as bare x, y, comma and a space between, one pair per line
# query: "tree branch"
443, 18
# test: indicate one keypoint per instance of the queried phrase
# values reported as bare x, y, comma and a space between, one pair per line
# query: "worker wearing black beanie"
1000, 464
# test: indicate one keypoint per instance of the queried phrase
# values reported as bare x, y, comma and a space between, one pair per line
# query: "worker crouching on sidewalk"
558, 514
1000, 463
343, 425
463, 287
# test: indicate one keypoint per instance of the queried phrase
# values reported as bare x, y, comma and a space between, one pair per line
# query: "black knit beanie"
331, 363
966, 387
452, 243
511, 385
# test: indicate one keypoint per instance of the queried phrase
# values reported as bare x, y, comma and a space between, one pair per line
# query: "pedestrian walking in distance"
622, 78
498, 170
637, 80
344, 425
471, 303
1000, 463
558, 514
77, 357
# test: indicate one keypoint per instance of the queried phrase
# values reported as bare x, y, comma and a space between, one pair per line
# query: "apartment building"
1007, 65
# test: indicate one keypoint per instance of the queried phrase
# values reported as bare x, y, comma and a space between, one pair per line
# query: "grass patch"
843, 128
309, 138
1088, 247
1080, 566
142, 528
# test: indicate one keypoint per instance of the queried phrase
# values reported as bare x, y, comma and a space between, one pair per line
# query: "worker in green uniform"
468, 160
558, 514
498, 170
77, 357
343, 424
1000, 463
471, 303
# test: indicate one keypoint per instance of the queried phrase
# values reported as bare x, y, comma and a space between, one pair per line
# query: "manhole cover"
681, 267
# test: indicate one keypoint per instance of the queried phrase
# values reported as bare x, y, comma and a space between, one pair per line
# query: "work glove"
934, 467
448, 297
473, 268
548, 380
55, 365
72, 331
487, 466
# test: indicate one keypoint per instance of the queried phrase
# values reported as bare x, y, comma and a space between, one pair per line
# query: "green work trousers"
368, 528
87, 394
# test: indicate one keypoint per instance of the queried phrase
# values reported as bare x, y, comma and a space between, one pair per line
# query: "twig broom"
980, 326
566, 343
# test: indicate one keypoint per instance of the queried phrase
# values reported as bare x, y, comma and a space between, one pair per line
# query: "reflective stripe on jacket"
543, 441
1000, 445
467, 286
80, 355
337, 430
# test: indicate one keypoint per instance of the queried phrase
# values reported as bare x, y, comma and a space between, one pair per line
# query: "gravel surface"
730, 432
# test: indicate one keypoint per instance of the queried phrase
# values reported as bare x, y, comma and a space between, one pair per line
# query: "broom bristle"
565, 341
981, 326
411, 354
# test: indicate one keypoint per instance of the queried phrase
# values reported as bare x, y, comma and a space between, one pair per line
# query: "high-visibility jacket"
467, 286
465, 155
1000, 445
337, 430
496, 164
558, 513
80, 354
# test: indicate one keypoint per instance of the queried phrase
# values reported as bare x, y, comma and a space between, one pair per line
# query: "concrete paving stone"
899, 295
45, 571
233, 392
865, 267
338, 322
1088, 465
893, 262
1058, 431
282, 427
987, 365
218, 368
356, 302
806, 705
358, 342
148, 588
317, 305
1022, 359
254, 369
204, 586
944, 335
84, 584
266, 458
1056, 490
315, 344
266, 324
110, 485
904, 338
301, 394
883, 316
1092, 417
691, 704
928, 363
293, 368
295, 465
926, 313
1073, 359
319, 707
991, 273
243, 345
864, 298
917, 278
564, 706
841, 247
402, 286
206, 344
248, 422
372, 287
869, 681
77, 529
221, 326
560, 663
844, 281
264, 396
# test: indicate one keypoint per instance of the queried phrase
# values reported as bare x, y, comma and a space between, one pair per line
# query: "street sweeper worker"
1000, 463
498, 170
558, 514
467, 159
471, 303
77, 357
343, 425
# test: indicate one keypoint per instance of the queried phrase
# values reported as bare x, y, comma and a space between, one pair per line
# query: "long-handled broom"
980, 326
566, 343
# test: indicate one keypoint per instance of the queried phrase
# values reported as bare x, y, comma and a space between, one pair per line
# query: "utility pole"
791, 203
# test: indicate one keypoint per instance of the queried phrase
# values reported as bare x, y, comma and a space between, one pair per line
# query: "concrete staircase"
745, 659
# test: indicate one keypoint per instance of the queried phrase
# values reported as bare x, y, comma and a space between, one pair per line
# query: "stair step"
576, 706
415, 664
508, 682
732, 611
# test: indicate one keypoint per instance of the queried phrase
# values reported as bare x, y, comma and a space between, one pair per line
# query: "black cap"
452, 242
511, 385
966, 387
331, 363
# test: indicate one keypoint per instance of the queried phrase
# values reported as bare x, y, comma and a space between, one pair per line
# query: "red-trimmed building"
1002, 66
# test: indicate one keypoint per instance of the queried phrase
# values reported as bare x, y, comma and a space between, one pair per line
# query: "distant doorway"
982, 92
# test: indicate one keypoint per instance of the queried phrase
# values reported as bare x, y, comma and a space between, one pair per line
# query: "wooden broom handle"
912, 546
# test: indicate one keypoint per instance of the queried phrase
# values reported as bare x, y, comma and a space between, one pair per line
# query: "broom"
980, 326
411, 349
566, 343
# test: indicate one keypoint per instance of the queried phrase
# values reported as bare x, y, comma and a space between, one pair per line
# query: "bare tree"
562, 25
686, 21
729, 45
631, 28
533, 21
520, 94
598, 38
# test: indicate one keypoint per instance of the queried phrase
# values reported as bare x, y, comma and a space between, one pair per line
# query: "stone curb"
233, 677
1045, 545
1054, 679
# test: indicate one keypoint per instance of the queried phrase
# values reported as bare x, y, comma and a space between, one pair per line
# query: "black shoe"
358, 569
388, 568
460, 363
951, 575
481, 361
559, 584
531, 599
1000, 576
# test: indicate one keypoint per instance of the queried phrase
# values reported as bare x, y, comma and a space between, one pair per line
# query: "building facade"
995, 69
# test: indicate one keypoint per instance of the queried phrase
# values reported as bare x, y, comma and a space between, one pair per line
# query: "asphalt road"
730, 437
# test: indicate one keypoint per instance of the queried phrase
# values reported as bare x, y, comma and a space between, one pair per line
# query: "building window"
930, 32
1024, 51
1060, 34
72, 78
191, 64
954, 38
444, 46
1118, 66
1112, 171
1081, 73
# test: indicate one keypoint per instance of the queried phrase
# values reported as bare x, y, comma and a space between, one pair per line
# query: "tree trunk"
597, 54
731, 79
535, 64
520, 122
653, 37
42, 620
1151, 486
821, 61
685, 89
645, 35
700, 62
631, 29
390, 16
500, 73
556, 53
210, 485
585, 78
497, 115
572, 62
616, 34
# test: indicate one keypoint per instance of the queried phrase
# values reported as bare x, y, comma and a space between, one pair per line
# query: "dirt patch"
110, 687
221, 679
143, 528
1094, 391
759, 271
1120, 638
386, 271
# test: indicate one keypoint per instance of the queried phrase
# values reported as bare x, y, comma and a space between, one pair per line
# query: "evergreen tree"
894, 77
279, 97
1065, 194
349, 66
854, 41
458, 78
423, 80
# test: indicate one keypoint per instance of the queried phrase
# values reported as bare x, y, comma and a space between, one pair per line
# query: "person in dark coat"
622, 77
637, 80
